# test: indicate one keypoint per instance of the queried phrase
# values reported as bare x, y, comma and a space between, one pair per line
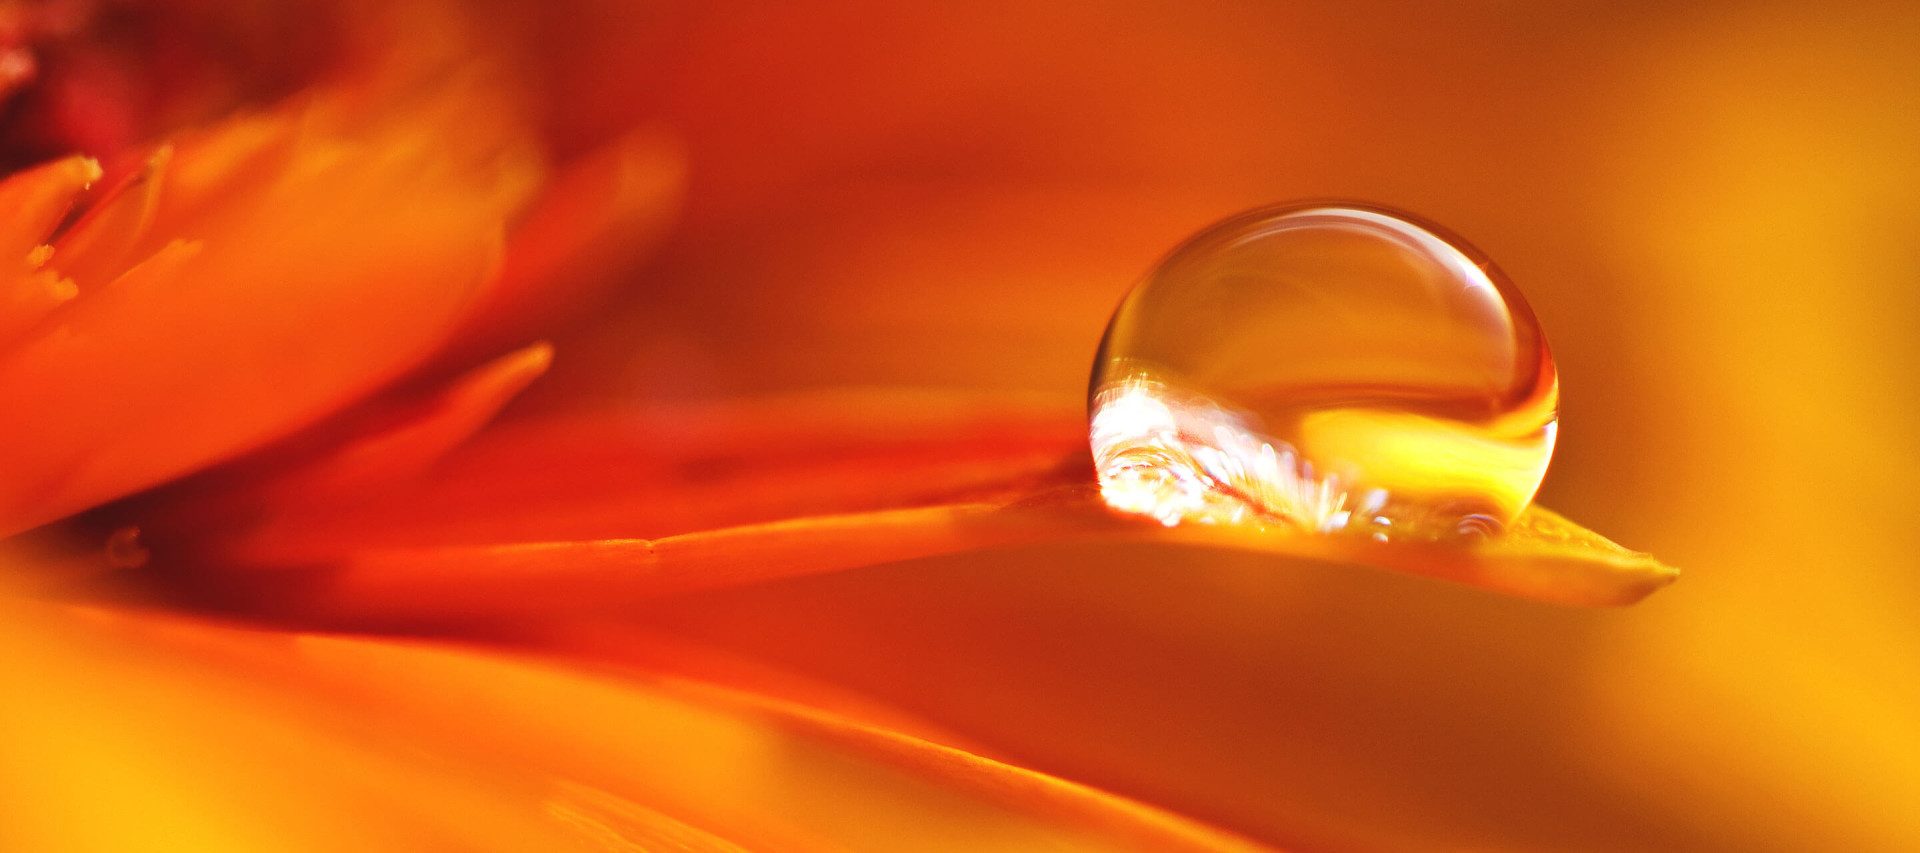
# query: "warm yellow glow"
1416, 455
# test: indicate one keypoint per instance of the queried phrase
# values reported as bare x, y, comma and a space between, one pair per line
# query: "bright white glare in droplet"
1320, 366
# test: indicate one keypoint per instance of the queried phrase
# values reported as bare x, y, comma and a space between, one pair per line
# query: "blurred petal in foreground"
432, 747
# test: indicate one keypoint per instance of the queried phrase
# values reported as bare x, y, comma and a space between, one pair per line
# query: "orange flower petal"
29, 298
1544, 557
634, 649
370, 244
1541, 555
688, 469
455, 547
370, 449
594, 218
452, 583
99, 246
407, 443
204, 176
429, 748
1304, 703
36, 200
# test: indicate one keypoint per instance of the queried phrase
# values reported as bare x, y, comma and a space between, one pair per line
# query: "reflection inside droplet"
1331, 368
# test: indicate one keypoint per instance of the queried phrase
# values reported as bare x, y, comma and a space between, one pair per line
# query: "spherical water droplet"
1332, 368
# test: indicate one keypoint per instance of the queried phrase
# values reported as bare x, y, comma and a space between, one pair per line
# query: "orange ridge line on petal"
400, 450
566, 576
1572, 567
1008, 783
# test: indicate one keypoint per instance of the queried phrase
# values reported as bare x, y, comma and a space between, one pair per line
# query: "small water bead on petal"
1331, 368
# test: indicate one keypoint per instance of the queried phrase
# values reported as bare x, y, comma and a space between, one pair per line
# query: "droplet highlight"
1339, 369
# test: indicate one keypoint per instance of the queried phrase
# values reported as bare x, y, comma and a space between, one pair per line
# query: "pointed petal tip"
530, 361
1542, 556
1545, 555
392, 444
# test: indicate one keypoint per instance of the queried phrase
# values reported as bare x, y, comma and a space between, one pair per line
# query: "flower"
235, 286
1033, 675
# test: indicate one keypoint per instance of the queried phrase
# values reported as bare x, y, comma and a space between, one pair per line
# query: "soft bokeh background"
1714, 208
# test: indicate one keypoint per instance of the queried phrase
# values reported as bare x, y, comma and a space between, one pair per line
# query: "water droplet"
1326, 367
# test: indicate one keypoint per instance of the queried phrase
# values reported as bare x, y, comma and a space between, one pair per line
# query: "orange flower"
622, 618
238, 283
